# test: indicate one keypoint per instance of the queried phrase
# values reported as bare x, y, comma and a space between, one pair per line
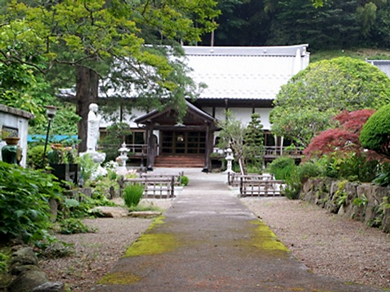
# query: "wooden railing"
138, 148
234, 179
142, 149
176, 178
154, 187
279, 151
260, 188
256, 185
270, 151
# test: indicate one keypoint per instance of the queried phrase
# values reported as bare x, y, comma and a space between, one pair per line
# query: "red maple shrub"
354, 121
345, 138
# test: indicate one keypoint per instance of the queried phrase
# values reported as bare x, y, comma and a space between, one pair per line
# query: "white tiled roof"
383, 65
236, 72
245, 72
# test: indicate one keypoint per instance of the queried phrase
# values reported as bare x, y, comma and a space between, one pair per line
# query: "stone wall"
360, 201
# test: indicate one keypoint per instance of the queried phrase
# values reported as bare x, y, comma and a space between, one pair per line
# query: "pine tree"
254, 141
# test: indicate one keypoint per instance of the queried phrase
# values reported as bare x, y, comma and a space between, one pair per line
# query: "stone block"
50, 287
27, 281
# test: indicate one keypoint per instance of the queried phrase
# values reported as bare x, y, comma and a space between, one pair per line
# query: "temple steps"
179, 161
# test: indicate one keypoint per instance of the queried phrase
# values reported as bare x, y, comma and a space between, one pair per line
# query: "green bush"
375, 134
112, 175
236, 167
132, 194
73, 226
35, 156
3, 262
293, 183
356, 167
184, 180
24, 208
350, 166
281, 167
383, 177
104, 184
253, 168
295, 176
307, 170
87, 166
72, 208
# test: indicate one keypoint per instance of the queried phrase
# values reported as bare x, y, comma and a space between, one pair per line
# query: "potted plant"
10, 153
62, 162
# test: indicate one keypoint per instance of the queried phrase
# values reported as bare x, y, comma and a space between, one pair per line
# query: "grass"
142, 207
119, 278
5, 278
360, 53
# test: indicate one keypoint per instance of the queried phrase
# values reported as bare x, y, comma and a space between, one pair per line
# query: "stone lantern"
122, 158
229, 158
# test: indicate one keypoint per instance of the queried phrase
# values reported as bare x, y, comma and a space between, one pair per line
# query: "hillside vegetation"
361, 53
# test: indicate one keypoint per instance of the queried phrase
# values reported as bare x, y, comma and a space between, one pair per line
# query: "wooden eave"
167, 119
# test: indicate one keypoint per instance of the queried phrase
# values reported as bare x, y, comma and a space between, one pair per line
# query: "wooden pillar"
150, 141
209, 141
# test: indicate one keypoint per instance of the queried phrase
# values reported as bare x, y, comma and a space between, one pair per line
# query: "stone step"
182, 161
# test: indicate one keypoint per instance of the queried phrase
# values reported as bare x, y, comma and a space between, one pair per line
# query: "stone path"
209, 241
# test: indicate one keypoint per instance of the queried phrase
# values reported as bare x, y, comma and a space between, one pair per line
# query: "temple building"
244, 80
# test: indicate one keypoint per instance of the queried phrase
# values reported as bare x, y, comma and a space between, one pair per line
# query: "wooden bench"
256, 187
155, 187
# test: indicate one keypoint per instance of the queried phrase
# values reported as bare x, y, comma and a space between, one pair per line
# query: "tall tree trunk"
87, 86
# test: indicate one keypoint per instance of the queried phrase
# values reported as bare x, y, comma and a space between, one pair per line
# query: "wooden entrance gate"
183, 142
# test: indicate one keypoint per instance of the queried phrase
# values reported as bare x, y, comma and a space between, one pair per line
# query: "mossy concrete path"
209, 241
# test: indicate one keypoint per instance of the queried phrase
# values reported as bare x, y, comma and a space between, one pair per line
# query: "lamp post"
50, 112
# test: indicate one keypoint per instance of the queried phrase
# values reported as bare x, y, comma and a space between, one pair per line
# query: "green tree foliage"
116, 135
305, 105
95, 35
254, 140
336, 24
375, 134
332, 25
22, 87
381, 28
233, 135
64, 122
241, 23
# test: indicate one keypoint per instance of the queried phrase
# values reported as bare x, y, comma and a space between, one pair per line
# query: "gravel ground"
94, 254
327, 244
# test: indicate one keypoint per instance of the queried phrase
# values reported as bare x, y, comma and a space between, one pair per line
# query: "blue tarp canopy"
52, 138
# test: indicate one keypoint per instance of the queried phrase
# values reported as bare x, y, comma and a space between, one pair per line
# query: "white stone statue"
93, 128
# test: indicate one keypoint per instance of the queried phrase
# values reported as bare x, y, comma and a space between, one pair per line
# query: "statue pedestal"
97, 157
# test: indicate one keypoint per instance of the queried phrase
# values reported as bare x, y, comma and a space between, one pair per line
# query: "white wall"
127, 118
243, 114
264, 117
18, 119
